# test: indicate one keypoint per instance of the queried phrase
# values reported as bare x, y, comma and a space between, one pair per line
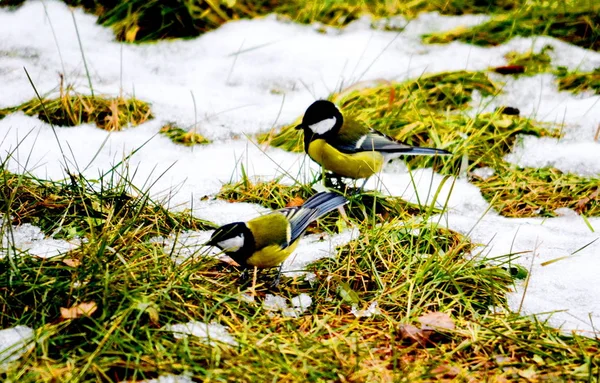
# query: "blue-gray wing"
318, 205
378, 142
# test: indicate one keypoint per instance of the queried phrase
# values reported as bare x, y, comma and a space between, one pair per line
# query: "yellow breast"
357, 165
271, 256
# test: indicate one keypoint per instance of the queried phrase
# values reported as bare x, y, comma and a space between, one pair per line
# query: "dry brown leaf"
436, 321
71, 262
446, 371
79, 310
296, 201
580, 205
413, 334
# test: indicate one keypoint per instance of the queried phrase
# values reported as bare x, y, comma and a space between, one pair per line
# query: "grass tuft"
182, 136
577, 82
529, 192
72, 109
367, 207
575, 23
80, 207
417, 112
529, 62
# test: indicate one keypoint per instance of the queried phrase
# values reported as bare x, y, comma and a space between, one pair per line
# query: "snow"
275, 304
211, 333
29, 238
372, 309
14, 342
253, 75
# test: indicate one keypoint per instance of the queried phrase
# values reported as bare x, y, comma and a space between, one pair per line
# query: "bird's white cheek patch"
323, 126
232, 244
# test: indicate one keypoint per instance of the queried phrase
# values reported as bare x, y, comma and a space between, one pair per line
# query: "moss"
181, 136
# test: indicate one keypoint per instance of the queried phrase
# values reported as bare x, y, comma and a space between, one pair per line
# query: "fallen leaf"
413, 334
79, 310
580, 205
71, 262
446, 371
436, 321
529, 374
296, 201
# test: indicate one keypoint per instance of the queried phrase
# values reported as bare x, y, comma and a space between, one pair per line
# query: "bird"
348, 148
268, 240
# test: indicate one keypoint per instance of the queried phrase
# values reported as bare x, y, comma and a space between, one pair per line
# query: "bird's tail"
418, 151
324, 202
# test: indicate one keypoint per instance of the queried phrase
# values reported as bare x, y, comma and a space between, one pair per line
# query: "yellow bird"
348, 148
268, 240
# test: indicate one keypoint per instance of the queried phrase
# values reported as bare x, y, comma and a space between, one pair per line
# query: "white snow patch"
420, 186
187, 244
212, 333
373, 309
29, 238
14, 342
569, 156
483, 173
314, 247
222, 212
275, 303
567, 286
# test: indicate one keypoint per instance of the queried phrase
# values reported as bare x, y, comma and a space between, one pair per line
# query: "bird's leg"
335, 181
277, 278
244, 274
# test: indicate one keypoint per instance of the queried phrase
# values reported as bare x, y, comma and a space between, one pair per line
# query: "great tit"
348, 148
268, 240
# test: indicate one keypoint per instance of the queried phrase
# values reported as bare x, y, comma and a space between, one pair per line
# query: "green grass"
529, 62
576, 81
70, 108
573, 22
409, 268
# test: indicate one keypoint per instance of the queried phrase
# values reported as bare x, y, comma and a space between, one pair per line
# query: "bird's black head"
322, 118
235, 239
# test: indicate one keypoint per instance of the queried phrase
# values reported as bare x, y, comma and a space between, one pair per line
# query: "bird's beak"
298, 127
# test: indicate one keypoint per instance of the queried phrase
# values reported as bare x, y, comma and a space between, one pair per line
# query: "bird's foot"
277, 279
